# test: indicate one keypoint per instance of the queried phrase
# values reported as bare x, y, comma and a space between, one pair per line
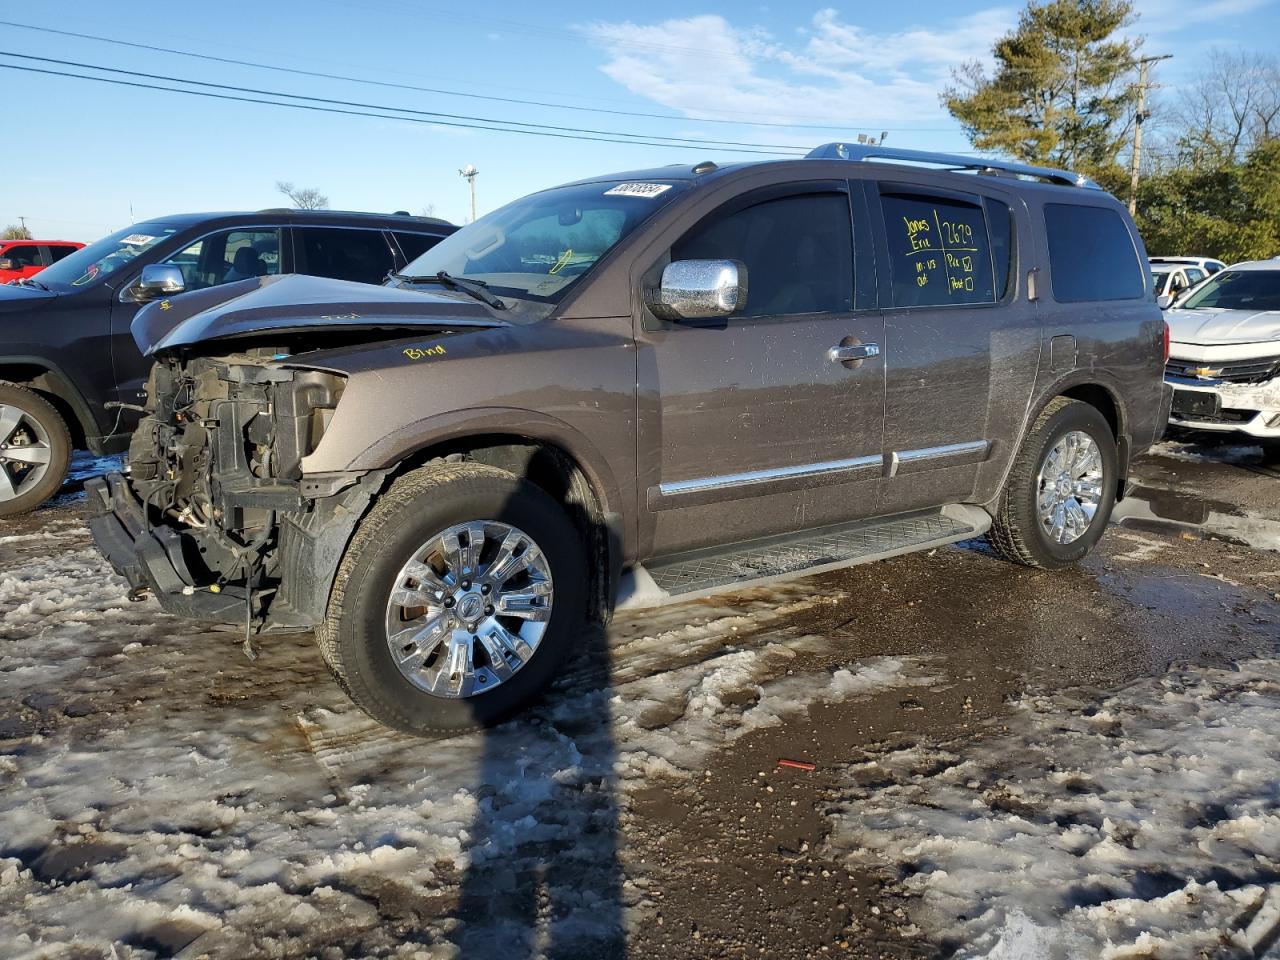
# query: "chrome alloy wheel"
25, 451
1069, 487
469, 609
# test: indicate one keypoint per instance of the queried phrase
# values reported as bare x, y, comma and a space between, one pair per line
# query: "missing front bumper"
152, 558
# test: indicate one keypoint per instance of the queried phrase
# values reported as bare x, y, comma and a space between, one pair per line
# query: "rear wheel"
1058, 498
459, 596
35, 450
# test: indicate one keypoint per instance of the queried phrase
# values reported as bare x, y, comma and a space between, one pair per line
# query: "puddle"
1168, 511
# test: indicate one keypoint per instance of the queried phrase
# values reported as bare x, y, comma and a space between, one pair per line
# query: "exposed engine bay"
216, 470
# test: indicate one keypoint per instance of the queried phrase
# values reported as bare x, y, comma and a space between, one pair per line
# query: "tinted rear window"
414, 245
1091, 254
939, 251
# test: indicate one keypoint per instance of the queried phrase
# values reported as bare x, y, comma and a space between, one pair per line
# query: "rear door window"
59, 250
940, 251
344, 254
1091, 254
414, 245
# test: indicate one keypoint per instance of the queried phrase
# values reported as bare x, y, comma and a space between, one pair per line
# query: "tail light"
1166, 341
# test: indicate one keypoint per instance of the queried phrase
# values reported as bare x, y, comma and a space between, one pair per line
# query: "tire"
413, 513
30, 428
1017, 531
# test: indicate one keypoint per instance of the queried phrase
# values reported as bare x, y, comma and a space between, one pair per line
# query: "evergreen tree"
1059, 93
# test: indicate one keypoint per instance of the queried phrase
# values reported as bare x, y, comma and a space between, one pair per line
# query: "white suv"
1171, 280
1209, 265
1224, 354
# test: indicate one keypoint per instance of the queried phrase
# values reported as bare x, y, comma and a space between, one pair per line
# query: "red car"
23, 258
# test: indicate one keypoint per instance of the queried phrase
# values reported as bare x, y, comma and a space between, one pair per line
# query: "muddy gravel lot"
982, 760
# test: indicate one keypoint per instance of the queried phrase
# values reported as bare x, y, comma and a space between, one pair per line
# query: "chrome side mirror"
7, 264
700, 289
1164, 301
158, 280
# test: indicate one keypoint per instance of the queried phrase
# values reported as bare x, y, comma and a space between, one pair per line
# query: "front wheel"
35, 450
459, 595
1058, 498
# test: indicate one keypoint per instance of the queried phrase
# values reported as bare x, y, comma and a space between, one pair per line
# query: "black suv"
70, 372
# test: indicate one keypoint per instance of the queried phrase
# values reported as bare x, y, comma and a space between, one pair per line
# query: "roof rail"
851, 151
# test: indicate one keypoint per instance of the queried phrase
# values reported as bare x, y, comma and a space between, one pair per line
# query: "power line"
435, 115
451, 93
316, 108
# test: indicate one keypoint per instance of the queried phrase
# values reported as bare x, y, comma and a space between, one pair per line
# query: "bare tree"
429, 210
304, 198
1233, 105
15, 232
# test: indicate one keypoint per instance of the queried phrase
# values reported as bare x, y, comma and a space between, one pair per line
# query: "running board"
703, 572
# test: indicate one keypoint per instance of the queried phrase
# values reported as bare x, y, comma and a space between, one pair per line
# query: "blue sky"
92, 157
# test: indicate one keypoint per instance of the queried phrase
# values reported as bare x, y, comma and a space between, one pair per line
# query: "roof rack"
399, 214
851, 151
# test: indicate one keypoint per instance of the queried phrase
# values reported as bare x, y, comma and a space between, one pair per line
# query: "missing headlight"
303, 409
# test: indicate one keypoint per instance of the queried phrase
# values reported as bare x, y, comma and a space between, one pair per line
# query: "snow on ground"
1141, 825
159, 794
1216, 452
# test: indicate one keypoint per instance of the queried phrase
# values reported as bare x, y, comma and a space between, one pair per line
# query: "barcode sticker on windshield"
134, 239
637, 189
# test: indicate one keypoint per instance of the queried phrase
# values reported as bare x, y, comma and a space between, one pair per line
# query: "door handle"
844, 352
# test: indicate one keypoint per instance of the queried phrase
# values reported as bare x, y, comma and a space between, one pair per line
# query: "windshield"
536, 247
1238, 290
106, 256
1158, 278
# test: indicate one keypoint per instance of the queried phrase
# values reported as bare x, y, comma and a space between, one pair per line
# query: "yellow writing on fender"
421, 353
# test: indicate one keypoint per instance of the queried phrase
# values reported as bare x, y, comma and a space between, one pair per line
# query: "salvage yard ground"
1007, 763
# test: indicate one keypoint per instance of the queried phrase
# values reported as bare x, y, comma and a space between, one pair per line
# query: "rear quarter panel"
1118, 344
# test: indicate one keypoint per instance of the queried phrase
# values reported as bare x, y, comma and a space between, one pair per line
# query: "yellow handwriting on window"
562, 262
916, 230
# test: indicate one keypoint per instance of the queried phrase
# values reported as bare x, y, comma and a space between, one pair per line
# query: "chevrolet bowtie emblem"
1204, 372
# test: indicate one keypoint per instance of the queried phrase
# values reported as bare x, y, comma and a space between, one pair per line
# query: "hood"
294, 303
14, 298
1214, 325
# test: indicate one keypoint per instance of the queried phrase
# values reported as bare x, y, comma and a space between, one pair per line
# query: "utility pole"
23, 221
469, 173
1139, 118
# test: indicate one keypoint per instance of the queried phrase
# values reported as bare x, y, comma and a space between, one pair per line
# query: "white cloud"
835, 73
1161, 17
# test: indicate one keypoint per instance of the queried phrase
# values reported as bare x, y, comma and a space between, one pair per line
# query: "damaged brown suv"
636, 389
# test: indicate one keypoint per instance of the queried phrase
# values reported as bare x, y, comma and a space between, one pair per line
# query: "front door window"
229, 256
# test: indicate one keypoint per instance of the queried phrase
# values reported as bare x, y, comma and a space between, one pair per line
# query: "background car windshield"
106, 256
1238, 290
539, 245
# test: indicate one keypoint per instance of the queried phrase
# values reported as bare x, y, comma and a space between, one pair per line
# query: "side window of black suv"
228, 256
364, 256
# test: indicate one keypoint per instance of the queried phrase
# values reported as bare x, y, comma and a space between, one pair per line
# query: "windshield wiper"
474, 288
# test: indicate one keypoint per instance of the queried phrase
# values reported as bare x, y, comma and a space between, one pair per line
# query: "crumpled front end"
214, 517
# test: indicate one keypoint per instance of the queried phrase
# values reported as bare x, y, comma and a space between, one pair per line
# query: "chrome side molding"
731, 480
